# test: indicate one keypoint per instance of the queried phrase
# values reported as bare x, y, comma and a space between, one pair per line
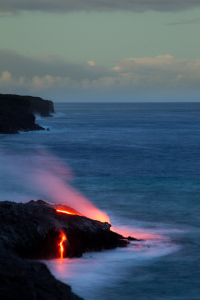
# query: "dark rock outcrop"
17, 112
37, 105
34, 230
22, 279
15, 116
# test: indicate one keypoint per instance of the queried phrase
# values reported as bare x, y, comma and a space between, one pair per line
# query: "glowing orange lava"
66, 212
94, 214
63, 238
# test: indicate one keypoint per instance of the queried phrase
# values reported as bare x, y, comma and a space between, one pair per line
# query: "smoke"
138, 233
43, 176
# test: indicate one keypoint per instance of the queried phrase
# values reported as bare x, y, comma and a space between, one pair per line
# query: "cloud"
131, 74
163, 70
52, 65
91, 63
96, 5
13, 14
185, 22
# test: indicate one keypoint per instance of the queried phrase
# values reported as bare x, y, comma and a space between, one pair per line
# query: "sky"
101, 50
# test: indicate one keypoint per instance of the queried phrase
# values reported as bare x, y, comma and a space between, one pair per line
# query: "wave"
97, 272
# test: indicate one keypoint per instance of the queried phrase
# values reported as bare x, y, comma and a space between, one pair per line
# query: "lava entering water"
63, 238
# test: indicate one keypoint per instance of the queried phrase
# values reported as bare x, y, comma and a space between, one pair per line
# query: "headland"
17, 113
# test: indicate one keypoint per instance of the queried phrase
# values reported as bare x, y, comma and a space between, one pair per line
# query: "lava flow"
94, 214
68, 212
63, 238
65, 212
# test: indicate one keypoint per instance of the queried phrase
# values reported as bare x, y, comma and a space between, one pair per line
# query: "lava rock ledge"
34, 230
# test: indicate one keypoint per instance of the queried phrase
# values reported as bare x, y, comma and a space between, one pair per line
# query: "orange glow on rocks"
63, 238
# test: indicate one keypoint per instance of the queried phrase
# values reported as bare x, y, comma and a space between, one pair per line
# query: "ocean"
138, 163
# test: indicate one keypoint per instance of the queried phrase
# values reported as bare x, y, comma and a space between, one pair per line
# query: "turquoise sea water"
140, 163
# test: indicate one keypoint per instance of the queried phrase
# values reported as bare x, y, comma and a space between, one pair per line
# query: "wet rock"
130, 238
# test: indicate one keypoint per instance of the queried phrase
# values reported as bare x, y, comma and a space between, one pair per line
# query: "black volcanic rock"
15, 115
37, 105
34, 230
22, 279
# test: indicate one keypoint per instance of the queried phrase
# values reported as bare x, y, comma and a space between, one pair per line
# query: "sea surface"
139, 163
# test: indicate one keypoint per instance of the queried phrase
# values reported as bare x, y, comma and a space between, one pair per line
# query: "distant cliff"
17, 112
38, 106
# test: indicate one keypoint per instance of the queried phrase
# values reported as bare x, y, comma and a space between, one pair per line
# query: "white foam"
97, 270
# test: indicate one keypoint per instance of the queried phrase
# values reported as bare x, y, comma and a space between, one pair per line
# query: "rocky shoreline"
34, 230
17, 113
21, 279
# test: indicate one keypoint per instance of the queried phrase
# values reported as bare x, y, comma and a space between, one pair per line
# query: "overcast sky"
101, 50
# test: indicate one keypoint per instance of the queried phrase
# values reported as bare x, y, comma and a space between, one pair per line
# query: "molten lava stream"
68, 212
63, 238
64, 212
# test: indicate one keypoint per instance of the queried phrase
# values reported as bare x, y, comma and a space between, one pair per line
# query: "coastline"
17, 113
33, 231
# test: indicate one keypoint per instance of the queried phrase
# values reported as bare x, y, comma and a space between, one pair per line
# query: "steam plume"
43, 176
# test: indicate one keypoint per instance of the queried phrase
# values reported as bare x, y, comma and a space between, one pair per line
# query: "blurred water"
140, 164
